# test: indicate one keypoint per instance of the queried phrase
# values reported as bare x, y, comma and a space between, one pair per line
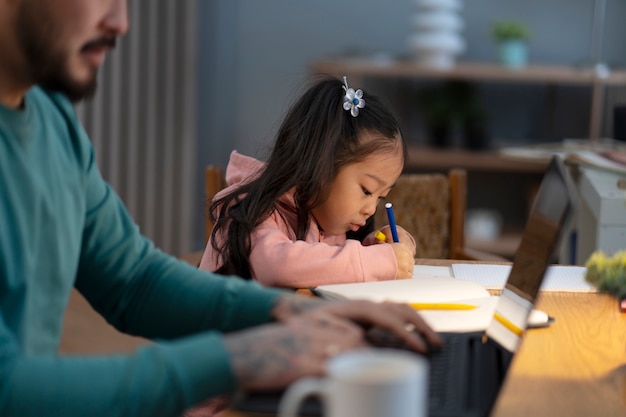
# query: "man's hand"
274, 355
310, 331
394, 317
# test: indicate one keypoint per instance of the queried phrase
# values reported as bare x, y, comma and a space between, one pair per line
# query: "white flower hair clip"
353, 100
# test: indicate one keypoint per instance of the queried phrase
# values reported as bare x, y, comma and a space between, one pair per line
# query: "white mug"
366, 383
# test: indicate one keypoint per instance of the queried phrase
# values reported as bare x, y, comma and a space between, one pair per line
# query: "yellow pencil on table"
441, 306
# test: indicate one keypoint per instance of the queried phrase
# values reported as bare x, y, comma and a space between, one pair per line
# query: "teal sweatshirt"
62, 226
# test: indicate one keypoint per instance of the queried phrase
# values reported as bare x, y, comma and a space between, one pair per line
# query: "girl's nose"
369, 209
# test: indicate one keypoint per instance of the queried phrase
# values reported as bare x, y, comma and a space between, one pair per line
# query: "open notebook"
433, 289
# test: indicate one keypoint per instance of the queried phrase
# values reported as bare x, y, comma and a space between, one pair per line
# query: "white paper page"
462, 320
428, 271
431, 289
562, 278
414, 290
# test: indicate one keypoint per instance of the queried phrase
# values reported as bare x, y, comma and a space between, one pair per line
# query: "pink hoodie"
278, 259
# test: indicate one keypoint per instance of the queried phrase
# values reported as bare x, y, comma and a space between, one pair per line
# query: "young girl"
287, 222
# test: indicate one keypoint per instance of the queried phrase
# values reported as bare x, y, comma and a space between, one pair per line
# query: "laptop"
466, 374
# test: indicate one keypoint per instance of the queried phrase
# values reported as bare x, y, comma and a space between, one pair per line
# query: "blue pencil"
392, 222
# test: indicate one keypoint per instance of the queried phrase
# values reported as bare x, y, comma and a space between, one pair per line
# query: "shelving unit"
484, 72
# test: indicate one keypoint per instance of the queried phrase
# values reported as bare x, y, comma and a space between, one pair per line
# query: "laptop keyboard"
461, 372
465, 377
441, 362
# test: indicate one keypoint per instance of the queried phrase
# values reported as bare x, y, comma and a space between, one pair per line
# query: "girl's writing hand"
384, 236
376, 237
406, 238
404, 260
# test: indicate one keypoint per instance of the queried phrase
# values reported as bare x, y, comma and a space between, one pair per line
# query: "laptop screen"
541, 236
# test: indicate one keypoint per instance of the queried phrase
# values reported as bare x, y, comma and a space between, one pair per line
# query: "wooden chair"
432, 208
214, 181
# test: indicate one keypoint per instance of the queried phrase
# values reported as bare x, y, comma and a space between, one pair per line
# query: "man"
62, 226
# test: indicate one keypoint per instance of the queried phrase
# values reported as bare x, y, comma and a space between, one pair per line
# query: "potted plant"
512, 37
450, 105
608, 273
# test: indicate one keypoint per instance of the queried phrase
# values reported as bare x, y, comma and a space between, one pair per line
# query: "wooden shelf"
423, 158
504, 245
363, 67
483, 72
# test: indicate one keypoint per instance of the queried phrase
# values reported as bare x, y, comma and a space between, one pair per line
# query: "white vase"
436, 39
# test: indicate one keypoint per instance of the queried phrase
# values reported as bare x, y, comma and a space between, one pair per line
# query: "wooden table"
577, 367
574, 368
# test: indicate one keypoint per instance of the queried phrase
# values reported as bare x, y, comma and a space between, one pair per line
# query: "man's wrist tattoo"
293, 305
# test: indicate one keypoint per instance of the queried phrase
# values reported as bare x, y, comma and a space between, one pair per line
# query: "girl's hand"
382, 235
406, 238
404, 260
376, 237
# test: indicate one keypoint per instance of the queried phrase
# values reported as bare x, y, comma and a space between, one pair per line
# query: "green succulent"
505, 30
607, 274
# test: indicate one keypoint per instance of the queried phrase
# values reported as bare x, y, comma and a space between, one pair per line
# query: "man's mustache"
108, 42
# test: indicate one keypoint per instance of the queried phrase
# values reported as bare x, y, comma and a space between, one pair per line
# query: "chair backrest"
432, 208
214, 181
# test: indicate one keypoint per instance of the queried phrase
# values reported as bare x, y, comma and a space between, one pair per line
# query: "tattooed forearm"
264, 359
275, 356
291, 305
309, 330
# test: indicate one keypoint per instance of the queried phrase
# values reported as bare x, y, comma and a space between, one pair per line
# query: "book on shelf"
613, 161
605, 154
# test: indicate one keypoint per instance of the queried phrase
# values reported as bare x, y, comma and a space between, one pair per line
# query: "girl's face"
356, 191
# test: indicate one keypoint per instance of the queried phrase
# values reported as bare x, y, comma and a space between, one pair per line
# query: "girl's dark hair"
316, 139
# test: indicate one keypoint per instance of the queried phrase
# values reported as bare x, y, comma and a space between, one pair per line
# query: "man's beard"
46, 60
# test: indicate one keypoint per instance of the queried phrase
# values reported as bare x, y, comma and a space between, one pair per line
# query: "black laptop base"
465, 378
